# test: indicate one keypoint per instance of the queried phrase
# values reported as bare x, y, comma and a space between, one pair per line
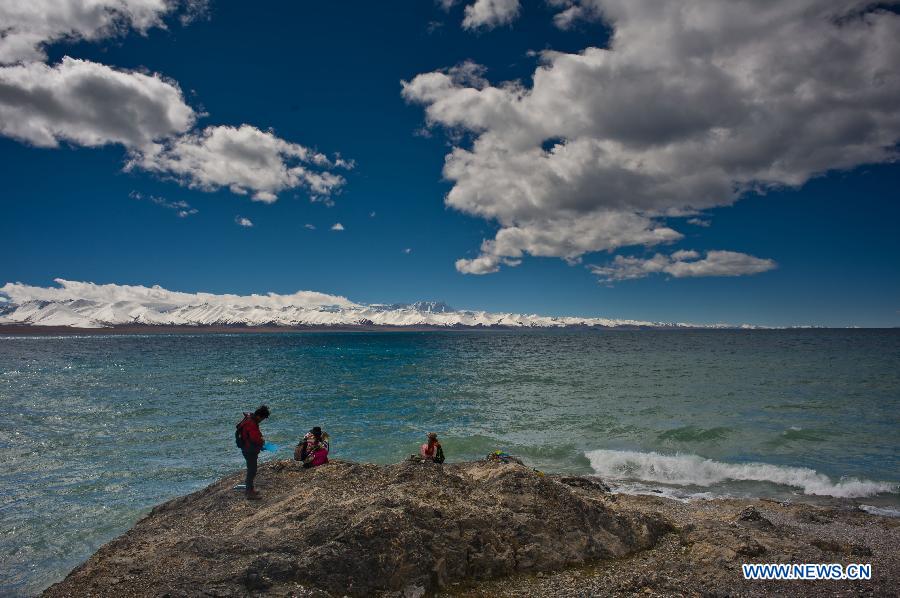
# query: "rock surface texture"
357, 529
713, 539
471, 529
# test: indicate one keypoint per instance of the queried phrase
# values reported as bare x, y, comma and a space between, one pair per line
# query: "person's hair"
432, 436
317, 432
262, 412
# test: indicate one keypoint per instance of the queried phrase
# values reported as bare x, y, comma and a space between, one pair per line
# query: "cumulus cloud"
573, 11
693, 105
28, 26
487, 14
699, 222
565, 238
241, 221
69, 290
244, 160
337, 226
683, 264
182, 208
483, 264
90, 104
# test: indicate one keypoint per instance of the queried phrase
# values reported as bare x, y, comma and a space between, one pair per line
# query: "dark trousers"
250, 457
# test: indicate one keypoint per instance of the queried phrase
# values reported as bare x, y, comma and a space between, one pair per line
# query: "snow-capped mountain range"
88, 305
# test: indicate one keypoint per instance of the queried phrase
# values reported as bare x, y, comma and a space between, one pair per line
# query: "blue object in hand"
268, 446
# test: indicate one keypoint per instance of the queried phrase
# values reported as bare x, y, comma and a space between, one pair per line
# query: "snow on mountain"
87, 305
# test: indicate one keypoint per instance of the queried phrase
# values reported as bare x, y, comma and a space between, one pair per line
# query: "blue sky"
818, 243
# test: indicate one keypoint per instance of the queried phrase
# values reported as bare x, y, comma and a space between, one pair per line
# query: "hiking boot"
253, 495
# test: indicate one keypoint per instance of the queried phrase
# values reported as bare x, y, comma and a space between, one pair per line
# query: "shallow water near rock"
97, 429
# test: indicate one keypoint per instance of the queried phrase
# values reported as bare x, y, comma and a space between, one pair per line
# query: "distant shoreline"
143, 329
19, 330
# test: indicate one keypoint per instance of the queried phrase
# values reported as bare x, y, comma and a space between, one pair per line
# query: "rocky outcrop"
475, 530
713, 539
358, 529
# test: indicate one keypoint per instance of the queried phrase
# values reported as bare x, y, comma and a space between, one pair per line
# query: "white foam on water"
694, 470
883, 511
678, 494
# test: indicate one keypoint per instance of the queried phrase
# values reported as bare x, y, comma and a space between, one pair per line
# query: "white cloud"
699, 222
575, 10
694, 104
683, 264
245, 160
567, 238
182, 208
28, 26
309, 226
407, 251
483, 264
337, 226
156, 295
685, 254
89, 104
241, 221
487, 14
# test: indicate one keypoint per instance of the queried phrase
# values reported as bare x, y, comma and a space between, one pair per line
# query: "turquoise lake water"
97, 429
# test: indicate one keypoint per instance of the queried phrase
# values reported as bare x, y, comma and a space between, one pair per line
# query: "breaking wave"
883, 511
694, 470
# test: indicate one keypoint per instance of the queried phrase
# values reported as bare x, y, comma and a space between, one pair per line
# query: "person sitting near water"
432, 450
250, 440
313, 449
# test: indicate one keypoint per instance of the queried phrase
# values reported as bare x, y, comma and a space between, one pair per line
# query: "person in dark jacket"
251, 443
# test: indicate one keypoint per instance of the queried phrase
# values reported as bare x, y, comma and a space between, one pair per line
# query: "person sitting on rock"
312, 450
250, 440
432, 450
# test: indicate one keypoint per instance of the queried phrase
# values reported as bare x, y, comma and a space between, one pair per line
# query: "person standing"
250, 440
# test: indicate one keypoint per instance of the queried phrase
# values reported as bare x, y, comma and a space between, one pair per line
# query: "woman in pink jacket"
313, 449
432, 450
